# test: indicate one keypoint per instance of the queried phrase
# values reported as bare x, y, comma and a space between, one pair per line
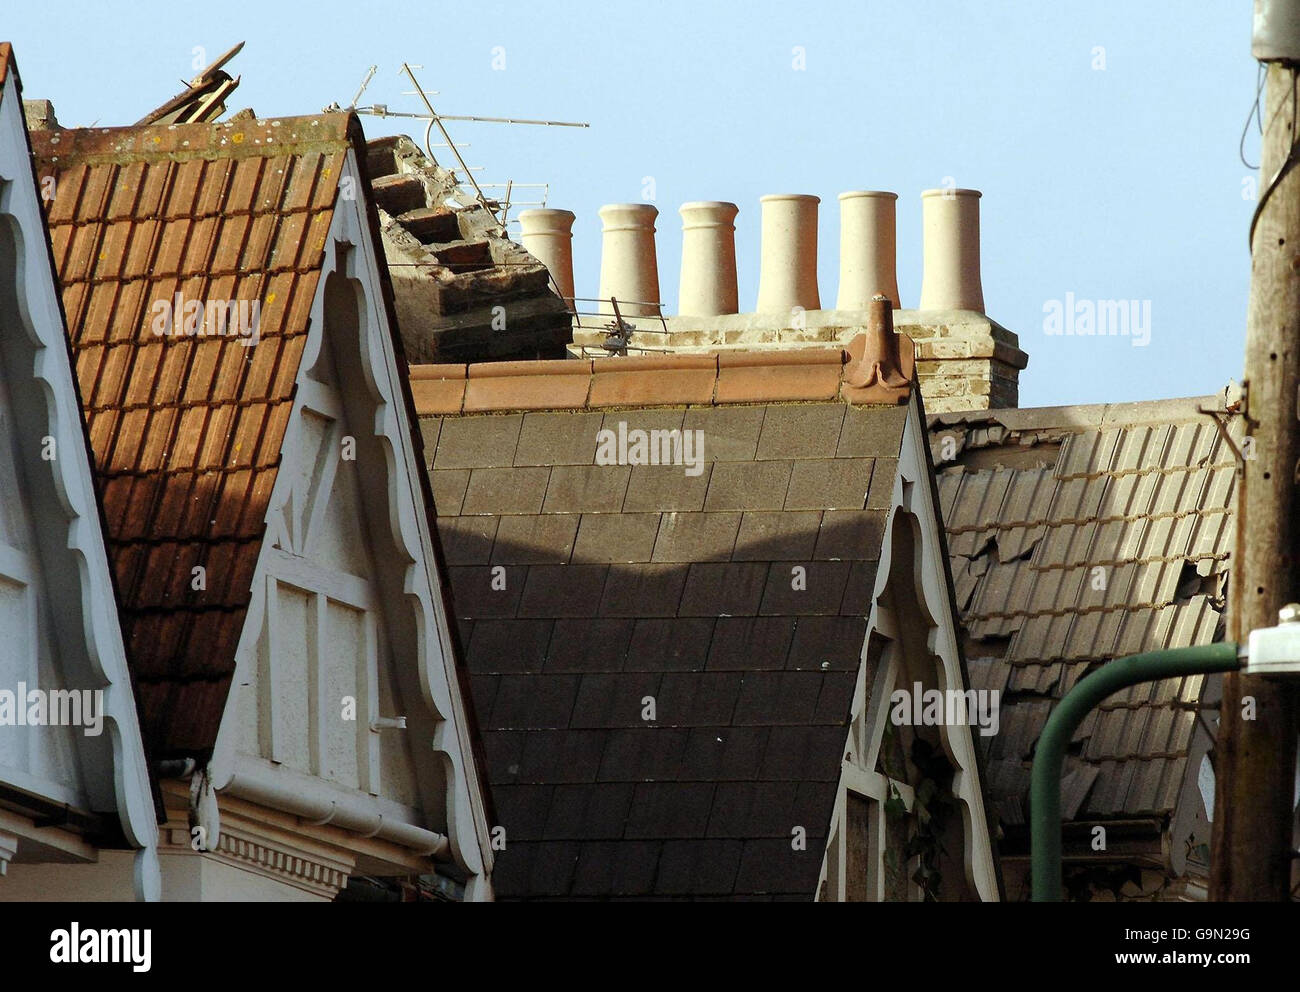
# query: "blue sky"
1115, 183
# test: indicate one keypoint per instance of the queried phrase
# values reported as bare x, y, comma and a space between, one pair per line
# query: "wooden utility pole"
1255, 758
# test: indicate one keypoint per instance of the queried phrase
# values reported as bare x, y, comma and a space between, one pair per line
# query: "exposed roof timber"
203, 99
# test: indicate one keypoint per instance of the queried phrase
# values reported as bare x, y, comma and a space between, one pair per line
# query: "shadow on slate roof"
624, 582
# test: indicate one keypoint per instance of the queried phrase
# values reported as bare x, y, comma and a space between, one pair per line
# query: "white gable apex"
59, 627
346, 631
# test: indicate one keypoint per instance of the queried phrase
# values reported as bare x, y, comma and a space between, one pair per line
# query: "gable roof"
1078, 535
62, 558
186, 431
628, 581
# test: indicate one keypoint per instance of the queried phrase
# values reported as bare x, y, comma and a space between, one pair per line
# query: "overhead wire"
1292, 157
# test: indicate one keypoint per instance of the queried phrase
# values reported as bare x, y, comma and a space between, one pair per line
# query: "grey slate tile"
567, 438
616, 537
695, 699
616, 699
652, 753
687, 537
698, 867
467, 540
777, 535
559, 756
748, 485
650, 590
722, 753
449, 490
586, 489
525, 702
810, 430
670, 644
872, 432
508, 646
589, 812
730, 433
778, 698
473, 595
580, 644
817, 590
505, 490
830, 483
663, 810
478, 441
715, 589
834, 641
751, 643
851, 535
541, 539
563, 590
665, 488
522, 810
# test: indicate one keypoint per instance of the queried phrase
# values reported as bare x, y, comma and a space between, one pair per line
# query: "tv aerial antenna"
436, 119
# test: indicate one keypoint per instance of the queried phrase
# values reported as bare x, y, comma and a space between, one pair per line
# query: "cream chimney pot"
867, 249
951, 227
628, 267
548, 236
787, 275
708, 283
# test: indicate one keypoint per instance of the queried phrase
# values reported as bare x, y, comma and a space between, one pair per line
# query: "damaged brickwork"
464, 291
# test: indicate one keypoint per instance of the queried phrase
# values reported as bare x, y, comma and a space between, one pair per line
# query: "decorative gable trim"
915, 507
351, 256
38, 347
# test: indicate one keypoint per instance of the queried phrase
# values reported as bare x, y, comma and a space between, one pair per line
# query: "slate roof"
186, 431
1041, 508
630, 581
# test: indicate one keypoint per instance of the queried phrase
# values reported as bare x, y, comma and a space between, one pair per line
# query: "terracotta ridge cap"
646, 381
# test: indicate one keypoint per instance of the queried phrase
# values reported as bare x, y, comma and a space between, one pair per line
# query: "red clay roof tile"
187, 430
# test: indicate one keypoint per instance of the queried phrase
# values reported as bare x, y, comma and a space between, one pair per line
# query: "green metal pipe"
1045, 786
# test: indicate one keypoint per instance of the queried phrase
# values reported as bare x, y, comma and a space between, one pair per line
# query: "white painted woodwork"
346, 602
891, 656
58, 619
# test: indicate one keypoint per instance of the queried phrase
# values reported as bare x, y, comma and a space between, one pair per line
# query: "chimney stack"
788, 268
951, 228
548, 237
867, 249
708, 283
628, 267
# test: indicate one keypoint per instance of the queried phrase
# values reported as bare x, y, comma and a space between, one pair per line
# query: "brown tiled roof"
186, 431
6, 56
630, 581
1078, 535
